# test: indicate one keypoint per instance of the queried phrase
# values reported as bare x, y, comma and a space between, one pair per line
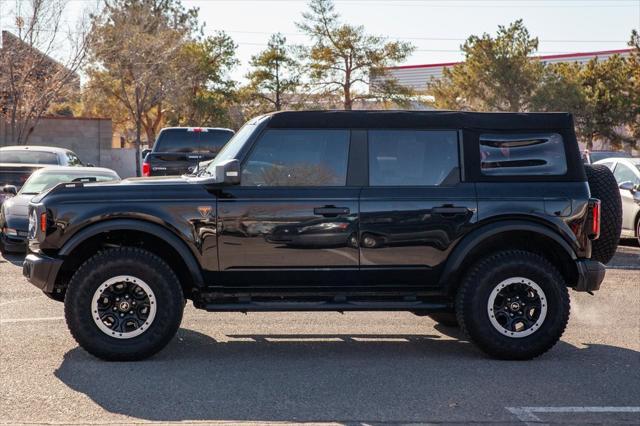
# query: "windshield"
39, 182
192, 140
233, 147
23, 156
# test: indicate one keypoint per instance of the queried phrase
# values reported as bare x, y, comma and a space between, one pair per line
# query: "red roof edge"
543, 57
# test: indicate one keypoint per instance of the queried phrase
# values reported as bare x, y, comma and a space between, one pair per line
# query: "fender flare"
138, 225
456, 259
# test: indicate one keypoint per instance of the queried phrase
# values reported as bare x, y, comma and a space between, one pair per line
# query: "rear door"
293, 220
415, 208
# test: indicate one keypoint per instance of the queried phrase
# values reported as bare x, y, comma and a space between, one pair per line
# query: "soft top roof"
422, 119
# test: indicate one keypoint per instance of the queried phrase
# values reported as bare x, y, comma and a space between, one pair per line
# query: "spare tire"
604, 187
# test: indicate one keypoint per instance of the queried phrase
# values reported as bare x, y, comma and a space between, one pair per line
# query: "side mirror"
10, 189
90, 165
144, 153
628, 186
228, 172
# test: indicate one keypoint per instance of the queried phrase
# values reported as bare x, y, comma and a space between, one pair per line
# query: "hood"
17, 206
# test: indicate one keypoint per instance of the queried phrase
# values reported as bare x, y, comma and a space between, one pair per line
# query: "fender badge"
205, 211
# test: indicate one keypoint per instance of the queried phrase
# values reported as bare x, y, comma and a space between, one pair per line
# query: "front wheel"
124, 304
513, 305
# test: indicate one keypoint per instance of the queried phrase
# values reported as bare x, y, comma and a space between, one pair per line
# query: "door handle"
330, 211
450, 210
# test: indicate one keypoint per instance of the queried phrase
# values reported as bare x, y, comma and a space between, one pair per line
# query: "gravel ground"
354, 368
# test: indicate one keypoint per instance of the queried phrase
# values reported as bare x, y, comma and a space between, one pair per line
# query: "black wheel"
447, 319
513, 305
371, 241
124, 304
604, 187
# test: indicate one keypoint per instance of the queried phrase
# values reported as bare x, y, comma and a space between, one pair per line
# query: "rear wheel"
513, 305
124, 304
604, 187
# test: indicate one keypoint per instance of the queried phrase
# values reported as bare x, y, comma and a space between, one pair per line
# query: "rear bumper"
41, 271
590, 275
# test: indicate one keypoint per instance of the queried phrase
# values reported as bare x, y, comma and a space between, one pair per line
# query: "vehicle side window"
522, 154
413, 157
298, 157
623, 173
73, 159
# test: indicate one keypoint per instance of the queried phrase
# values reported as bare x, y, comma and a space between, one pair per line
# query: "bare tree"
31, 80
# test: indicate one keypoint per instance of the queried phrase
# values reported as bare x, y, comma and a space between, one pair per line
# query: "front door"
293, 212
415, 207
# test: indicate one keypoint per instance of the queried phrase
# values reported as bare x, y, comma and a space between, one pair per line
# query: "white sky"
436, 27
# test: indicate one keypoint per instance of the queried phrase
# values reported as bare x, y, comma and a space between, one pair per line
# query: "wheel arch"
132, 232
504, 235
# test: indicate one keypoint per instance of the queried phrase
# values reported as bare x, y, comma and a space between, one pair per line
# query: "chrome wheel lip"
543, 310
120, 279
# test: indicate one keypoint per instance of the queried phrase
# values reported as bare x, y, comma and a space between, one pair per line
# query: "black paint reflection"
280, 228
317, 233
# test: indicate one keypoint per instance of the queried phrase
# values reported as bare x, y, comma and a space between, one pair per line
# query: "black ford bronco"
479, 219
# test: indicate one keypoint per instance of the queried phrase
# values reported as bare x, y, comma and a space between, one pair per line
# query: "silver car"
627, 173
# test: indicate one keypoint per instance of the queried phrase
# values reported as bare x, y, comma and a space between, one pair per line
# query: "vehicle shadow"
347, 378
15, 259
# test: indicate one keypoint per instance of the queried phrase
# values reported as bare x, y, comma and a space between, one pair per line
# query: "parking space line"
19, 300
16, 320
527, 414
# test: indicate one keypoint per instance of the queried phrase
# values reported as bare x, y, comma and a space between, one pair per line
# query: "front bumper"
590, 275
13, 244
41, 271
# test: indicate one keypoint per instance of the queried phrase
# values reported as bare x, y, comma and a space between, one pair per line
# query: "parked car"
591, 157
627, 174
14, 221
178, 150
18, 162
487, 219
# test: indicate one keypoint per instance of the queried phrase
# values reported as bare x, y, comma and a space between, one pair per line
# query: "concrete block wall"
89, 138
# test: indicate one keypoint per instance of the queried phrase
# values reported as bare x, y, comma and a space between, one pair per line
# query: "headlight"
33, 225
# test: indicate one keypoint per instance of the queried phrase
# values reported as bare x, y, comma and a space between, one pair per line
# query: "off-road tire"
473, 296
448, 319
604, 187
123, 261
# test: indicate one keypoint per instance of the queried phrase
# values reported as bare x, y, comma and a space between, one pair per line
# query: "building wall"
416, 77
90, 138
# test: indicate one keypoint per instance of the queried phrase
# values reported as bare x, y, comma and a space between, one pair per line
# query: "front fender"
172, 239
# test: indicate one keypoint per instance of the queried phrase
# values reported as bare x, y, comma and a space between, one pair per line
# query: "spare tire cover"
604, 187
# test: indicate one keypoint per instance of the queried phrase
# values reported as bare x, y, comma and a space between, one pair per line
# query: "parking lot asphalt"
355, 368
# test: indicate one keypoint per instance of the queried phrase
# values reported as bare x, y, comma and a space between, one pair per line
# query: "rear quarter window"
528, 154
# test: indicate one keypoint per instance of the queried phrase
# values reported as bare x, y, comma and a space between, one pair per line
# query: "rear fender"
459, 257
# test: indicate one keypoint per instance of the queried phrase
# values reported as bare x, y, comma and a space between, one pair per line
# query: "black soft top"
422, 119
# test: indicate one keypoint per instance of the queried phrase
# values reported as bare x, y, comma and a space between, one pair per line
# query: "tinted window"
412, 157
521, 155
298, 158
28, 157
625, 174
192, 140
